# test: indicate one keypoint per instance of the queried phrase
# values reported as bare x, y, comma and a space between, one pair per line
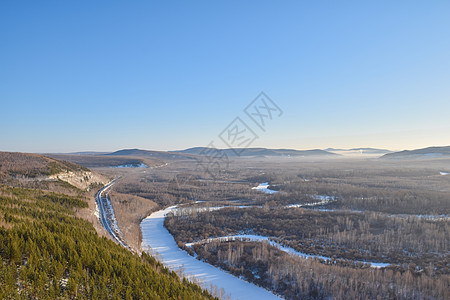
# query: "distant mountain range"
231, 152
150, 158
430, 152
85, 153
154, 158
190, 153
91, 158
257, 152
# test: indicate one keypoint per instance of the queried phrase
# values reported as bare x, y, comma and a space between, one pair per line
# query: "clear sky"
106, 75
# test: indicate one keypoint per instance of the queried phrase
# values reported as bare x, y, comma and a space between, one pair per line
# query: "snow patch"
323, 200
264, 187
97, 211
142, 165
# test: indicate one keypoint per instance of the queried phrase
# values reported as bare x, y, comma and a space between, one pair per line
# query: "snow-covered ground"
436, 218
142, 165
186, 210
264, 187
160, 166
289, 250
180, 211
323, 200
97, 211
156, 238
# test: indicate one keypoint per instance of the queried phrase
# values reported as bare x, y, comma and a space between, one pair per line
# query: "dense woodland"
49, 253
418, 250
395, 187
357, 196
297, 278
169, 189
347, 235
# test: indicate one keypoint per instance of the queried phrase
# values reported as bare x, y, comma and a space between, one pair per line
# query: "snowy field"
156, 238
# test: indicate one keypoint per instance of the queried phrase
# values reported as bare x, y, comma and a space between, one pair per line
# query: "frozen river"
264, 187
288, 250
157, 238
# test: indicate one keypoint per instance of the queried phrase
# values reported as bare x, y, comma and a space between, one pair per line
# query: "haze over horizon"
330, 149
105, 76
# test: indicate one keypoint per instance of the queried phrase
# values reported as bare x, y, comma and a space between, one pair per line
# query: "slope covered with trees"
26, 165
48, 252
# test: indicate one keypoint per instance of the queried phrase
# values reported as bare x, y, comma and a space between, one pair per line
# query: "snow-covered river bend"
288, 250
156, 237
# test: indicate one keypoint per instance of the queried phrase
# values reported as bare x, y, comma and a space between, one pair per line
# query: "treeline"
167, 189
48, 253
383, 189
365, 197
297, 278
347, 235
417, 248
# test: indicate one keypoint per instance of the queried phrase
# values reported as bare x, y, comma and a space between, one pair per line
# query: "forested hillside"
27, 165
38, 171
48, 253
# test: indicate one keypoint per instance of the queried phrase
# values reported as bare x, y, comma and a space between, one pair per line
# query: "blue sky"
106, 75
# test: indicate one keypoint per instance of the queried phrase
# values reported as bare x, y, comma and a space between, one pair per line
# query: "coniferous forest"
48, 253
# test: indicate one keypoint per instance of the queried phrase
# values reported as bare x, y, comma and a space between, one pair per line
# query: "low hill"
430, 152
256, 152
33, 165
34, 170
163, 155
102, 161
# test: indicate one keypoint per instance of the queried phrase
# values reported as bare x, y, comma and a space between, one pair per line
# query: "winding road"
106, 222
